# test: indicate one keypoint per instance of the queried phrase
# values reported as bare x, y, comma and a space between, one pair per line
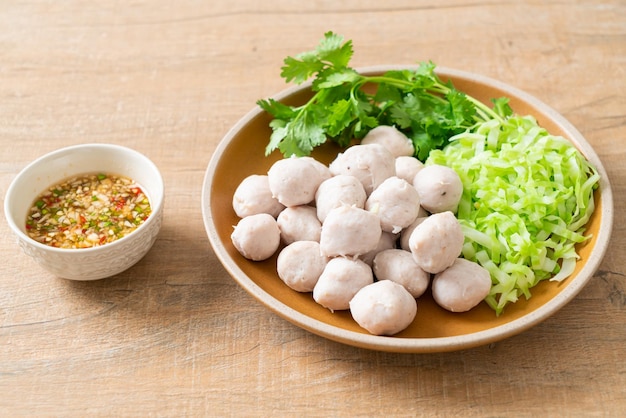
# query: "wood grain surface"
174, 335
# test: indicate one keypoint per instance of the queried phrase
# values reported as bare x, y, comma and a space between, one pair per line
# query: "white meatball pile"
369, 233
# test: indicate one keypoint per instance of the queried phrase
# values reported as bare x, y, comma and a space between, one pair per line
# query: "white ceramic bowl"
241, 153
96, 262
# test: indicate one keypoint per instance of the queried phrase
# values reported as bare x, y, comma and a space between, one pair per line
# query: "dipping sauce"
87, 210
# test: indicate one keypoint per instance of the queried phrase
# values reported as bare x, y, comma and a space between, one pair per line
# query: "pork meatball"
349, 231
395, 202
383, 308
253, 196
408, 167
400, 267
439, 187
300, 265
437, 242
370, 163
299, 223
321, 168
338, 191
391, 138
294, 181
387, 240
339, 282
406, 232
256, 237
461, 286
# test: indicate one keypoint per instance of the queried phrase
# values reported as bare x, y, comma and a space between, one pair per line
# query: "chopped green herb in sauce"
87, 211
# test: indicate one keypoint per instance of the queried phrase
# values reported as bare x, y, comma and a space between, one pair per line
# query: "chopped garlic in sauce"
87, 211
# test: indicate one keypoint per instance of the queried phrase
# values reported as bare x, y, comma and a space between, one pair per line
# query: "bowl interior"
434, 329
66, 162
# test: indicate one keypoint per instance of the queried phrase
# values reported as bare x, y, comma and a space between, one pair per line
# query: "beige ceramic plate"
241, 153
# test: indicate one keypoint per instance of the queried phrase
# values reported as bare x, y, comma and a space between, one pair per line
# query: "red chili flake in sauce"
87, 211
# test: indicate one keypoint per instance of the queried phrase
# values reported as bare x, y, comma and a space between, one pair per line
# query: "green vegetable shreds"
417, 102
527, 197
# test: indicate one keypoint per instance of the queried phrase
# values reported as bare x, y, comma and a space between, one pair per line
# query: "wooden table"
175, 335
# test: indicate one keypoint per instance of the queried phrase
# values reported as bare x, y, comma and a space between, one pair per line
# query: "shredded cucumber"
527, 198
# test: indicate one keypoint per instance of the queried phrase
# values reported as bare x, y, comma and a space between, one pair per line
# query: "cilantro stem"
484, 111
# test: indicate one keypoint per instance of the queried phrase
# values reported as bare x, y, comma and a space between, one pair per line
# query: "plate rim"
419, 344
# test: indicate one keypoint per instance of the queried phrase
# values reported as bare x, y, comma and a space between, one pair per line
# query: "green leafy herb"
416, 101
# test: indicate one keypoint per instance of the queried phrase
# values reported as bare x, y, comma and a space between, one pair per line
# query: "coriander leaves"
416, 101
